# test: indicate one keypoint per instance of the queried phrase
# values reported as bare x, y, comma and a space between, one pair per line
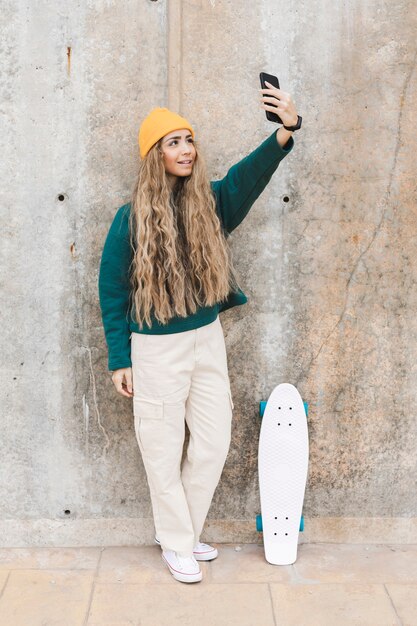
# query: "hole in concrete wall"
61, 197
285, 198
67, 512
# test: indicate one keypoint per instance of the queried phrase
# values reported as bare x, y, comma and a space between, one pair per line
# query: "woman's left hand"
279, 102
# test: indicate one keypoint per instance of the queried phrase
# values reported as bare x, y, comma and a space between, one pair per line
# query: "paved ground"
329, 585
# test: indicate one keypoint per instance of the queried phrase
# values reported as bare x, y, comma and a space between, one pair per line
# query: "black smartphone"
263, 76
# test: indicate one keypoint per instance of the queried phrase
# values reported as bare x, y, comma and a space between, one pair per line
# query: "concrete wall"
330, 274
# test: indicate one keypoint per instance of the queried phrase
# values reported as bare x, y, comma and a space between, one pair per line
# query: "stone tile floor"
329, 585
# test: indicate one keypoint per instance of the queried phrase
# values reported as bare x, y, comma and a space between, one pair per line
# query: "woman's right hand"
122, 379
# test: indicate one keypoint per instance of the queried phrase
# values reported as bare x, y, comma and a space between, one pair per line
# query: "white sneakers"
186, 569
183, 568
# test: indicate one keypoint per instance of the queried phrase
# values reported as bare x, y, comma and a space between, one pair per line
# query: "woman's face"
178, 153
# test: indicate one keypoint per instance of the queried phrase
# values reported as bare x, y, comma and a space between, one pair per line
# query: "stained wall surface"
326, 255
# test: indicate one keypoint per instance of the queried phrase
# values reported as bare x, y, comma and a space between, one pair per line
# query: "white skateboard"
282, 470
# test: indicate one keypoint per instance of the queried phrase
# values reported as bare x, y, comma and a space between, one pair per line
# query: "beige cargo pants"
178, 378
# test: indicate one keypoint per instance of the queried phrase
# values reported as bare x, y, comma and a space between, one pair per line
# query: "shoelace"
186, 560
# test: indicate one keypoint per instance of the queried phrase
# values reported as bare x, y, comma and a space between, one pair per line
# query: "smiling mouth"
185, 162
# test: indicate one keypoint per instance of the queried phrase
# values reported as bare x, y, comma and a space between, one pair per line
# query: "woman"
165, 274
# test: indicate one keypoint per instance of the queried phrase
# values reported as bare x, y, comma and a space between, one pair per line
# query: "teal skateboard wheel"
259, 523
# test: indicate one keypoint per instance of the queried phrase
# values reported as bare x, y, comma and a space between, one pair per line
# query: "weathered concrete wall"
330, 274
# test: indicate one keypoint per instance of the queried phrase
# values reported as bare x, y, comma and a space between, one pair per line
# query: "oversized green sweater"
235, 194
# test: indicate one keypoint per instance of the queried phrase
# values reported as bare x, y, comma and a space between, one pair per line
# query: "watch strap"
296, 126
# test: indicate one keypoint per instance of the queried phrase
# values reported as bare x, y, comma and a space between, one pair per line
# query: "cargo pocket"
148, 415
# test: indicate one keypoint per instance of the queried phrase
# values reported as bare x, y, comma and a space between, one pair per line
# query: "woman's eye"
175, 141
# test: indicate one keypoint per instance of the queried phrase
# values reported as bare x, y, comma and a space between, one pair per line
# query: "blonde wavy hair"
181, 259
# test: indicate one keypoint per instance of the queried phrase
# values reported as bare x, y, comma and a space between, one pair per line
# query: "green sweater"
235, 194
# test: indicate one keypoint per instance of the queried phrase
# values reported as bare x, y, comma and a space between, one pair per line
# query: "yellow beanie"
157, 124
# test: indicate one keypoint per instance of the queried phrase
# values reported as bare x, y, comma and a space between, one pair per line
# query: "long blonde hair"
181, 259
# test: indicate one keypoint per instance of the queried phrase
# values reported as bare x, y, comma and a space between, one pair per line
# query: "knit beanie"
157, 124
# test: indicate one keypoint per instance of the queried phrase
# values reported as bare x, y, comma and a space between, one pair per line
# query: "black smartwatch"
296, 126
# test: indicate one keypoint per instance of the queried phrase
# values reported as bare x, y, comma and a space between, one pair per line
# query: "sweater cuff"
117, 364
276, 151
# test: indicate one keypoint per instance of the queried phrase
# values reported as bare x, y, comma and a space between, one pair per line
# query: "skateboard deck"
282, 472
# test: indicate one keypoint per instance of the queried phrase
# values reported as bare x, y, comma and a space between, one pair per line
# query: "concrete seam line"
174, 68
